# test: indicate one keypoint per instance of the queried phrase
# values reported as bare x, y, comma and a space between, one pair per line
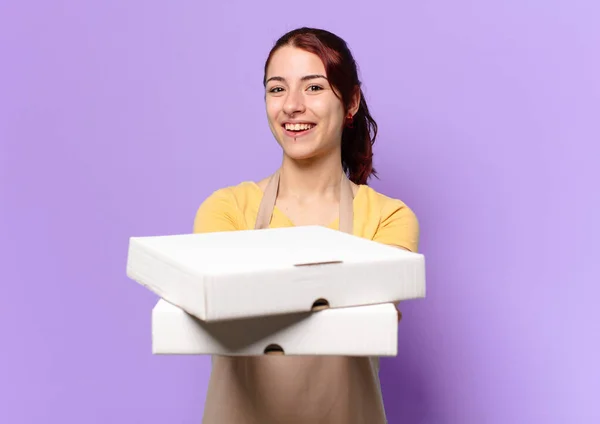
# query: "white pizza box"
358, 331
242, 274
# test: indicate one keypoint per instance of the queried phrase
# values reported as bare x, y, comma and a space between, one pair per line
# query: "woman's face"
304, 114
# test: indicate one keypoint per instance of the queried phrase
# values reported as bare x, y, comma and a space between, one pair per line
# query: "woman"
319, 117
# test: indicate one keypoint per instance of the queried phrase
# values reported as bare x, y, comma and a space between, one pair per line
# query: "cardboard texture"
244, 274
359, 331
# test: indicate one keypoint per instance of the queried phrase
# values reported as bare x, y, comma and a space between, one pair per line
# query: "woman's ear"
355, 101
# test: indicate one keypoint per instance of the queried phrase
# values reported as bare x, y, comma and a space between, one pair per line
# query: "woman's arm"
399, 227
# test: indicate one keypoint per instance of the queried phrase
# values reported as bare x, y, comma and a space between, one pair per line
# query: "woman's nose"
294, 103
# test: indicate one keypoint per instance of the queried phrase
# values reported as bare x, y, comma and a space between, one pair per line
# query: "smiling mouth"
298, 129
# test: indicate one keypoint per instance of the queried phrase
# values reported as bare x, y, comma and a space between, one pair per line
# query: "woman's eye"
314, 88
276, 90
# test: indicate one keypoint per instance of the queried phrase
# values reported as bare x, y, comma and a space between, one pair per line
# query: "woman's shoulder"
396, 223
384, 204
236, 194
224, 208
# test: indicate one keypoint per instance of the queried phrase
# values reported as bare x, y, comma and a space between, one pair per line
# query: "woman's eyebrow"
304, 78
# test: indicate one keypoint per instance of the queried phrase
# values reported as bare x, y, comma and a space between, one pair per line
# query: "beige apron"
295, 389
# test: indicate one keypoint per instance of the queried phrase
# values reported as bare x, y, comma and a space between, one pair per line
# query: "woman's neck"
316, 178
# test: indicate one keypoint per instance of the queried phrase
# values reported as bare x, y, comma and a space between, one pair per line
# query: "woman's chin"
299, 153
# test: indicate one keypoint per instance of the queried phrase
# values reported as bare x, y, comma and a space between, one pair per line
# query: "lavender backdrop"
119, 117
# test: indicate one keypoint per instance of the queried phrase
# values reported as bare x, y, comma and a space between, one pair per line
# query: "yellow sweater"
376, 217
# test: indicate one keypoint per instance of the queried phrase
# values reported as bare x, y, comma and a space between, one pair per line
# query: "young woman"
319, 117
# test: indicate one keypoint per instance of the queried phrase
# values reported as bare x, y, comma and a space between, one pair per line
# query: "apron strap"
267, 204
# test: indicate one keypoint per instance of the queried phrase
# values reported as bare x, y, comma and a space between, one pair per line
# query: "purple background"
118, 118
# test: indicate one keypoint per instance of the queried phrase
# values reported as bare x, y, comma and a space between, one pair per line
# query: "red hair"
342, 73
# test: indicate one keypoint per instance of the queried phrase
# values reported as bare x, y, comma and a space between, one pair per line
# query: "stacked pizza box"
295, 291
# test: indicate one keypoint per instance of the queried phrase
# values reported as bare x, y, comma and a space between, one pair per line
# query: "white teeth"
298, 127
